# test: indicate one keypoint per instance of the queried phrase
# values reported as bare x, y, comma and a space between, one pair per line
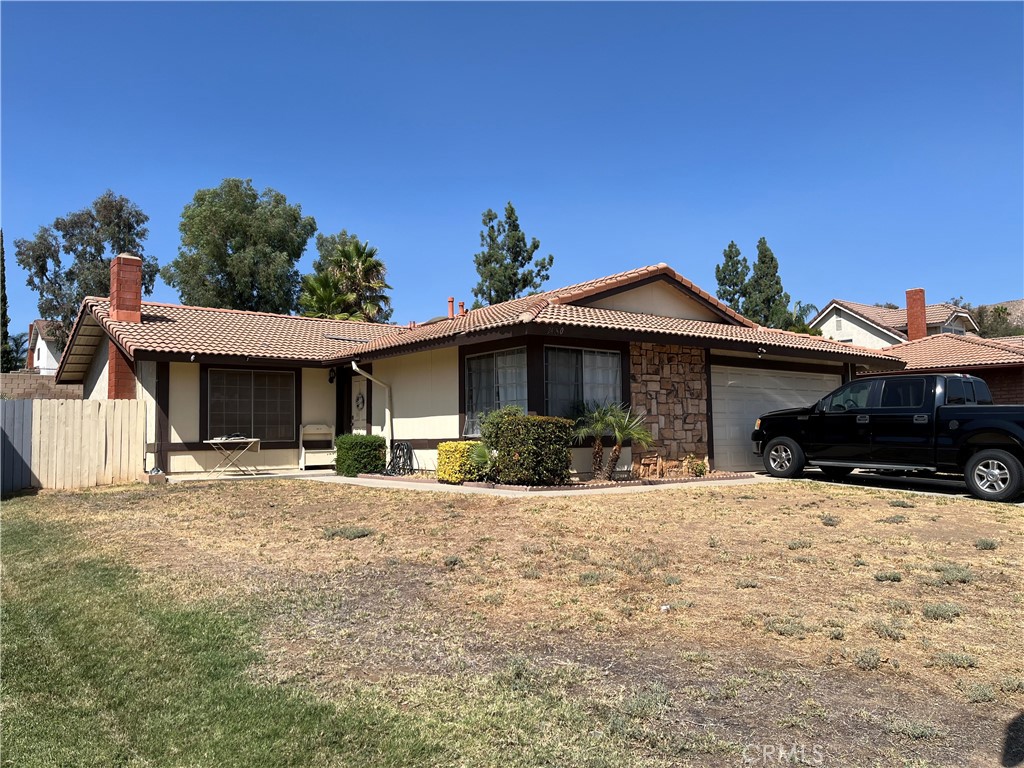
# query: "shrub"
360, 454
350, 532
694, 465
830, 521
986, 544
956, 660
942, 611
868, 659
454, 462
951, 573
531, 450
889, 576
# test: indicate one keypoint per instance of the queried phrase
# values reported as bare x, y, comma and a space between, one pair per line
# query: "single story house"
1000, 362
43, 352
877, 327
647, 337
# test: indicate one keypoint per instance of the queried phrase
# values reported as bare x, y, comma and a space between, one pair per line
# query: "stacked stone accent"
669, 382
29, 385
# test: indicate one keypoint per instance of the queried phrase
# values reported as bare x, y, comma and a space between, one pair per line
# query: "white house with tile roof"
647, 337
875, 327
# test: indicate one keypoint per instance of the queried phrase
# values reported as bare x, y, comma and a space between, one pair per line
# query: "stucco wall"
424, 395
145, 393
183, 403
45, 356
657, 298
669, 382
318, 397
854, 331
95, 385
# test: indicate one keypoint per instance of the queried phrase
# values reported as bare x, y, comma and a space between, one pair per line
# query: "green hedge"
454, 462
360, 454
531, 450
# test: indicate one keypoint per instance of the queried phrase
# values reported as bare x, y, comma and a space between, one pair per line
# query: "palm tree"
594, 423
18, 343
348, 284
324, 295
624, 425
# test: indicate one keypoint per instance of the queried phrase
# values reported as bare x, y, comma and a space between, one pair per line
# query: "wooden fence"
70, 443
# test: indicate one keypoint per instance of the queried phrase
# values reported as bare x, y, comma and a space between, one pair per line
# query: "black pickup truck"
929, 423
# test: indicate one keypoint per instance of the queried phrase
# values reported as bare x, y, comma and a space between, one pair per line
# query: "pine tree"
504, 265
732, 275
764, 300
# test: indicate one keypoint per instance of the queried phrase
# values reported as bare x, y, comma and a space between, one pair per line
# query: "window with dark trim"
494, 380
252, 403
575, 379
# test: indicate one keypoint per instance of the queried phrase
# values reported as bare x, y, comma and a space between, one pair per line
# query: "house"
1000, 362
876, 327
43, 352
647, 337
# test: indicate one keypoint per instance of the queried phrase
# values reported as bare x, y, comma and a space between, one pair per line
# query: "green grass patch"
101, 673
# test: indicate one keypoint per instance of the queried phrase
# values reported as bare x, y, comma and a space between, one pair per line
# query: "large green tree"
7, 361
993, 320
111, 225
348, 282
764, 301
732, 276
506, 264
239, 249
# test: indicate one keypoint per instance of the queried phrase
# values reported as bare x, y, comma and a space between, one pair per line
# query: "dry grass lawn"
861, 626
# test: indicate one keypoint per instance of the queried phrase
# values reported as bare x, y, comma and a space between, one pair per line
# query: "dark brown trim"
697, 298
343, 400
749, 362
198, 445
709, 409
231, 361
163, 405
204, 405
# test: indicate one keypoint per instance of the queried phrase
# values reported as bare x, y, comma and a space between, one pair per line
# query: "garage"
739, 395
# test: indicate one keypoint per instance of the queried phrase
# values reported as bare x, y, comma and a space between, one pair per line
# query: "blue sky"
878, 147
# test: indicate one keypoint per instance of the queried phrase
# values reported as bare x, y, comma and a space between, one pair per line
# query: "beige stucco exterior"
95, 385
658, 298
843, 325
424, 398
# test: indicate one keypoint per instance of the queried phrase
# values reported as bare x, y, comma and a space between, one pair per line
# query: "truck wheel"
835, 473
783, 457
994, 475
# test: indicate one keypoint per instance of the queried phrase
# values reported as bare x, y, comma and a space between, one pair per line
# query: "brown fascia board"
211, 359
84, 311
552, 331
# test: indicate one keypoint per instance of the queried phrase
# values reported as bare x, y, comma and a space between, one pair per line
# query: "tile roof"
176, 329
47, 329
947, 351
895, 320
206, 330
1012, 341
542, 311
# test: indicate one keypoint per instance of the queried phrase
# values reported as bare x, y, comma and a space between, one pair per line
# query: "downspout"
390, 426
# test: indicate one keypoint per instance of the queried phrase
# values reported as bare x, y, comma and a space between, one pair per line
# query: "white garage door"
740, 395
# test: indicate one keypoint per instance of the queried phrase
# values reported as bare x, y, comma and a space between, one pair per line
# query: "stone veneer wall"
670, 383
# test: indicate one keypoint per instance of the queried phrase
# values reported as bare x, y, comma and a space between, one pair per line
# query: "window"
903, 393
577, 378
852, 396
492, 382
252, 403
839, 320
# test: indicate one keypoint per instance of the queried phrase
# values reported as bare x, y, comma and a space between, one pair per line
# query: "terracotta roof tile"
896, 319
947, 350
205, 330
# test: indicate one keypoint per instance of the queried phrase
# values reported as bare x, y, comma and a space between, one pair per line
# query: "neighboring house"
647, 337
877, 327
43, 353
999, 363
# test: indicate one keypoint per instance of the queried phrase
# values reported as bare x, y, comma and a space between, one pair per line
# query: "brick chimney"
462, 308
126, 289
917, 328
31, 349
125, 307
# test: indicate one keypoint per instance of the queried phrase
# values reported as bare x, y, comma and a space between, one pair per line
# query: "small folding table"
231, 450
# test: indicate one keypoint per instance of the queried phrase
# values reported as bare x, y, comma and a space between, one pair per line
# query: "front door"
359, 410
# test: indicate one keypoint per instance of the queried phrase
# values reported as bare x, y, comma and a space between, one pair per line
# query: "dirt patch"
758, 610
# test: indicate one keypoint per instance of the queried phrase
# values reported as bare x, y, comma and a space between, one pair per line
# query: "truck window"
903, 393
955, 392
857, 394
982, 394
